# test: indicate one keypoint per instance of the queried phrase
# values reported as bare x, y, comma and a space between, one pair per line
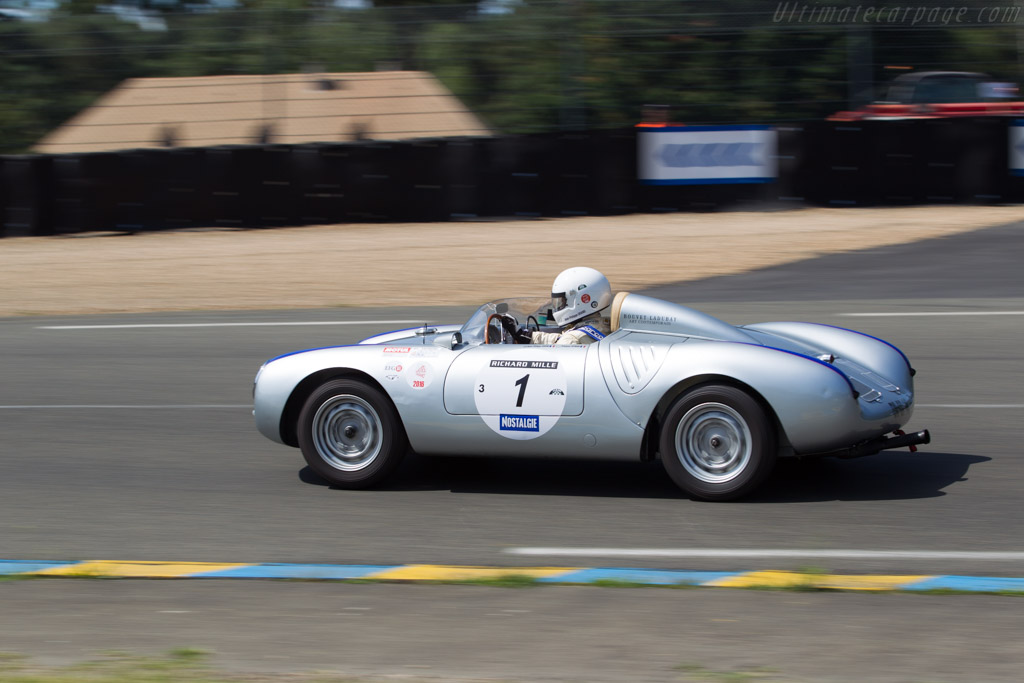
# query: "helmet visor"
558, 300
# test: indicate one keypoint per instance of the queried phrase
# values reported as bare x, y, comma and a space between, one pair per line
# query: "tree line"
521, 66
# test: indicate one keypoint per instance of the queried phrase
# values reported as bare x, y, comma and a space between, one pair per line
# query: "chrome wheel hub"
347, 433
713, 443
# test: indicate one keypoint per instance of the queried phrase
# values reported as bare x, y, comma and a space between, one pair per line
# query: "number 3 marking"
481, 389
521, 383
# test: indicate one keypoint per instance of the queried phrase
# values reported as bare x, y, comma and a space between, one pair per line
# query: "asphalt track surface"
138, 444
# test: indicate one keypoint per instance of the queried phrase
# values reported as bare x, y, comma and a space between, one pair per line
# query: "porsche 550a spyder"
717, 403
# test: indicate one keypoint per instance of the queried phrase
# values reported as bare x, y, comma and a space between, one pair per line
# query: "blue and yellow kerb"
109, 569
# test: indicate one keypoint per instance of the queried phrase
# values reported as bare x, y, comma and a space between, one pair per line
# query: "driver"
578, 297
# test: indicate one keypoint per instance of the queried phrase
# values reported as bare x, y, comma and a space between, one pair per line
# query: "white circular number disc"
520, 399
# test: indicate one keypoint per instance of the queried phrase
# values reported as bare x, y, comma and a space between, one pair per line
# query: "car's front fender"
412, 377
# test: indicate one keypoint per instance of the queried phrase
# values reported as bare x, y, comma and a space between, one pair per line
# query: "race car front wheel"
716, 443
350, 434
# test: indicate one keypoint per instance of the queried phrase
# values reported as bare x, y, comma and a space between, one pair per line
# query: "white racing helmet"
577, 293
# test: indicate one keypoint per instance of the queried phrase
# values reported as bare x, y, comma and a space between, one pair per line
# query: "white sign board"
706, 155
1017, 147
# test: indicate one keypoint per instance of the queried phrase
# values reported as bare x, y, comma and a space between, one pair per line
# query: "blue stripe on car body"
831, 367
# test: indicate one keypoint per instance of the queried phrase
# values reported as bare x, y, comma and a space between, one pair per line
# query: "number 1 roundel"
520, 399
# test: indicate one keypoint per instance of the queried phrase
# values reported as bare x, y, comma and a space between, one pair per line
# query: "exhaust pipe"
884, 443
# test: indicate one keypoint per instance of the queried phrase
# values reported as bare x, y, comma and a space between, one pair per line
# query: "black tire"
350, 434
717, 443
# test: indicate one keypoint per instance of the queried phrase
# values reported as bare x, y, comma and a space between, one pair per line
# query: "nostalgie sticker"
397, 349
519, 423
521, 398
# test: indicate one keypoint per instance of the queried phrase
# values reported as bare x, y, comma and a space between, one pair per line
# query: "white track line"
253, 324
970, 405
90, 406
927, 313
721, 553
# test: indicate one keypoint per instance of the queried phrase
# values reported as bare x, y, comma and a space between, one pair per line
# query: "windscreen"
522, 309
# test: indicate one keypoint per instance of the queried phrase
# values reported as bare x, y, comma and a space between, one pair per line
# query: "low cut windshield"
529, 310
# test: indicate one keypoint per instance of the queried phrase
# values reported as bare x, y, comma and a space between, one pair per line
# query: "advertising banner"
706, 155
1017, 147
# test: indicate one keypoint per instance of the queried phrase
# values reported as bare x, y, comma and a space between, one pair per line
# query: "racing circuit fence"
551, 174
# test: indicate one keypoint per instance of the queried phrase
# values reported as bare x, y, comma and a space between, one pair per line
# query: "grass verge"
182, 665
188, 665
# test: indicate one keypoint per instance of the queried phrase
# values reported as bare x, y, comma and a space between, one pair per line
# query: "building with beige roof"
278, 108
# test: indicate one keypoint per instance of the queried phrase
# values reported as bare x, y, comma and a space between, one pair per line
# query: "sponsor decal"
393, 370
556, 392
642, 319
519, 423
397, 349
526, 364
585, 298
420, 375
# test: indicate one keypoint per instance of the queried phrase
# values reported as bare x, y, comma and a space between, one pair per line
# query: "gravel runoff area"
436, 263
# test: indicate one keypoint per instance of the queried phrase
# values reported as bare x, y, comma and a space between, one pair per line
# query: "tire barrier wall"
556, 174
910, 161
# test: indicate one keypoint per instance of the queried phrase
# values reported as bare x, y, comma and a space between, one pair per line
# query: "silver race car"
717, 403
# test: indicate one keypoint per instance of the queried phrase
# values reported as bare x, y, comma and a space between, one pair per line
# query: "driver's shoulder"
596, 322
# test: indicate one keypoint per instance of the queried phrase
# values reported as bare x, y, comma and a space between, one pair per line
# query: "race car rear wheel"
350, 434
716, 443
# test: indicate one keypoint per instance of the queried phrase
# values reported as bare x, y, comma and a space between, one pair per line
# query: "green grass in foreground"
505, 581
186, 664
696, 672
190, 665
183, 665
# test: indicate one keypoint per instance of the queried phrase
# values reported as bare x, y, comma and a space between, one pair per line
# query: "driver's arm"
545, 337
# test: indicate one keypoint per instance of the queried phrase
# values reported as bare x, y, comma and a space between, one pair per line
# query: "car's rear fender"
873, 353
813, 404
654, 423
